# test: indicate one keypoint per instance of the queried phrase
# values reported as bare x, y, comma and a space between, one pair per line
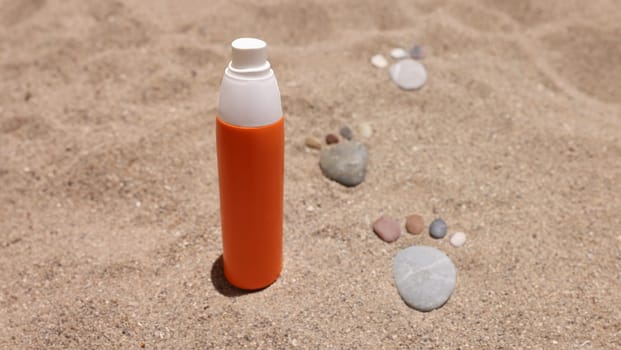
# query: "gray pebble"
437, 229
425, 277
417, 52
345, 163
346, 132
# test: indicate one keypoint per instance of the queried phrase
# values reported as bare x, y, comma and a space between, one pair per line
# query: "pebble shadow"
221, 284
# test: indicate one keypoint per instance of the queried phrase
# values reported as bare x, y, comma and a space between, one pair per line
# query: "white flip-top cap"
249, 54
249, 94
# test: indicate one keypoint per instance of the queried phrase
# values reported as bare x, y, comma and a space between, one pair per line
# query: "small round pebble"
408, 74
414, 224
346, 132
379, 61
387, 228
425, 277
331, 139
345, 163
417, 52
366, 130
437, 229
398, 53
458, 239
313, 142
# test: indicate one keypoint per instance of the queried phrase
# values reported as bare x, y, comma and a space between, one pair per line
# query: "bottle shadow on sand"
222, 285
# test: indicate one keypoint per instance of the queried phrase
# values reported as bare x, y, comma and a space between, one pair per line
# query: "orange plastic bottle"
250, 143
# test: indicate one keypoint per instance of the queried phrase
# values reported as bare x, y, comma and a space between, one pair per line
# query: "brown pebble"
142, 344
313, 142
414, 224
387, 228
331, 138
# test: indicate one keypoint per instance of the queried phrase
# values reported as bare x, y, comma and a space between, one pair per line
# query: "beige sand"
109, 228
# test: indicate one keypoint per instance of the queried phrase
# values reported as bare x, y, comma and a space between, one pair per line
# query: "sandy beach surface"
109, 214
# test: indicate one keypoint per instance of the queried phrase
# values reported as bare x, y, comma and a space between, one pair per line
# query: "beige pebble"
366, 130
313, 142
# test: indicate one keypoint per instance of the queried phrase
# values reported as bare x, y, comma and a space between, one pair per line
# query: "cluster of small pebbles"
343, 160
407, 72
364, 130
389, 229
425, 276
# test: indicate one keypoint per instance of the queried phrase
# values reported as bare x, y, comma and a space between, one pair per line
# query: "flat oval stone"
425, 277
387, 228
345, 163
437, 229
408, 74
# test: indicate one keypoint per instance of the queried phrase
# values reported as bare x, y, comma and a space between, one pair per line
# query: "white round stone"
379, 61
425, 277
398, 53
408, 74
458, 239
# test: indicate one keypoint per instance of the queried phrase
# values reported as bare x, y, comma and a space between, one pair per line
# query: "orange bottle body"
251, 174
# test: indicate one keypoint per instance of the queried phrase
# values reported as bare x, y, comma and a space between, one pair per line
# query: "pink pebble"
387, 228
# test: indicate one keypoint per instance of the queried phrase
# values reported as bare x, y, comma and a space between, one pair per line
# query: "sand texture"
109, 221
